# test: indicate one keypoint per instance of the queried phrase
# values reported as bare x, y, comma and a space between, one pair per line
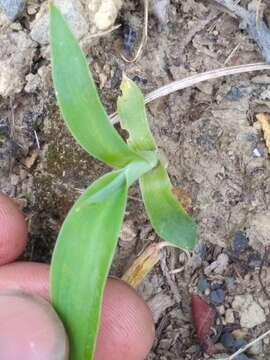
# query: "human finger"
127, 327
28, 276
30, 329
13, 230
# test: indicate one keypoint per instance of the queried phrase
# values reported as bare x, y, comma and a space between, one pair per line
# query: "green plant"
87, 240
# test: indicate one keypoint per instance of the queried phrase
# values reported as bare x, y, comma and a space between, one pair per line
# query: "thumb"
30, 328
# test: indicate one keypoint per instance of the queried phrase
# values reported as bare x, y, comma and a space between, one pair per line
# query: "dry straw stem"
263, 120
144, 263
196, 79
245, 348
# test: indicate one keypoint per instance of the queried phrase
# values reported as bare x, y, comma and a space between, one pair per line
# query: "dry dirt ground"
215, 152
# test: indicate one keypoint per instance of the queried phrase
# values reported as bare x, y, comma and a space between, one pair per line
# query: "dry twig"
196, 79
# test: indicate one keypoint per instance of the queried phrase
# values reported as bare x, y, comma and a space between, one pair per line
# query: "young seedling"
88, 237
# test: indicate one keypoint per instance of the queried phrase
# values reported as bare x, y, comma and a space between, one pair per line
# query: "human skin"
30, 326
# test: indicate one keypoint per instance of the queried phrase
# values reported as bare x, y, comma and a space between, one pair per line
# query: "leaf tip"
125, 83
51, 5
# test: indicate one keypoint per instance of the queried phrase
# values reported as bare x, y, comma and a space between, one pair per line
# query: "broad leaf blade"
81, 262
131, 110
78, 98
166, 214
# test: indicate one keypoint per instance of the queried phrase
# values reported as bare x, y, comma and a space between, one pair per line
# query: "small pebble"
230, 283
257, 152
200, 250
234, 94
229, 316
219, 265
255, 260
194, 263
160, 9
240, 242
242, 357
221, 309
202, 283
139, 80
12, 8
239, 343
207, 292
232, 344
256, 349
217, 296
227, 340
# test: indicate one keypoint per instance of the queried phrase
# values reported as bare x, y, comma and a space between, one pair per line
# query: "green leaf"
84, 251
128, 174
78, 98
81, 262
166, 214
131, 110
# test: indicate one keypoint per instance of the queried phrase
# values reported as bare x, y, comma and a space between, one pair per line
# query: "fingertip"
13, 230
127, 327
30, 328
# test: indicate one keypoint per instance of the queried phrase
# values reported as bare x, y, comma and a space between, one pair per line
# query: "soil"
215, 152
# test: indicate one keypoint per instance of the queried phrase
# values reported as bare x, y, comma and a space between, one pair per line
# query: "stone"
239, 343
14, 64
104, 12
221, 309
254, 260
194, 263
250, 312
73, 12
256, 348
242, 357
32, 83
234, 94
261, 79
240, 242
257, 152
227, 340
231, 343
229, 316
32, 9
258, 231
218, 266
200, 250
202, 283
159, 8
12, 8
265, 95
217, 296
230, 283
128, 231
206, 87
4, 20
